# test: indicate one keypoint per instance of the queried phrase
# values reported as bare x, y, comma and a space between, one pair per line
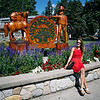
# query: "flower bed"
56, 60
14, 63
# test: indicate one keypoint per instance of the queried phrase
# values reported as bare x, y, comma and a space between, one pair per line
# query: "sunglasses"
78, 42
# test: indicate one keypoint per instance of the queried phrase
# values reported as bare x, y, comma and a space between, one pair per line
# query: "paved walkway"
73, 94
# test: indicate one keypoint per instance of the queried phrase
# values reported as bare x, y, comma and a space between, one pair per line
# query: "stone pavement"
73, 94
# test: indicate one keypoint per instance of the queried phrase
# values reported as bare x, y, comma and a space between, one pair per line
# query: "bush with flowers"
56, 59
14, 63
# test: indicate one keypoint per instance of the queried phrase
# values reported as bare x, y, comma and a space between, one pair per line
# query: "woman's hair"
81, 46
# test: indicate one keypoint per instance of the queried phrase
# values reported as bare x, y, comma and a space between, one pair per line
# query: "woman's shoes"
87, 91
82, 92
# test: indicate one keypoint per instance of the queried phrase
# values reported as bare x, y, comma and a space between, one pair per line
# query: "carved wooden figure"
62, 24
18, 22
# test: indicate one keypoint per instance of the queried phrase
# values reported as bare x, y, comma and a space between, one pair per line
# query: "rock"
2, 96
37, 69
17, 90
64, 83
37, 92
29, 87
53, 85
95, 58
40, 85
46, 83
86, 74
89, 78
98, 72
14, 97
93, 71
23, 91
95, 75
72, 78
45, 59
46, 90
8, 92
25, 94
46, 87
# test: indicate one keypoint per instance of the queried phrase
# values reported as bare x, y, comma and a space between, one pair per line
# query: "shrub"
12, 62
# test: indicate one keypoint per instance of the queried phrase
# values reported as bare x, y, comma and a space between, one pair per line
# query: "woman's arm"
70, 57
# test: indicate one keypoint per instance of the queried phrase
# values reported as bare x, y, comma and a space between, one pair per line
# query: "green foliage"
82, 20
74, 10
92, 50
29, 5
9, 6
58, 58
92, 14
13, 63
48, 9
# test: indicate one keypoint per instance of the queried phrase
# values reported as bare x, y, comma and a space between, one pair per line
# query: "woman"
77, 56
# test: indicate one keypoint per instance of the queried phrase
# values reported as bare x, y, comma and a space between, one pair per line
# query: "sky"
41, 4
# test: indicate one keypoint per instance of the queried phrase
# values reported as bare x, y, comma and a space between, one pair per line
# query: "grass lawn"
72, 42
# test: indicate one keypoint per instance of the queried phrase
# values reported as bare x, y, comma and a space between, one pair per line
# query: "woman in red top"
77, 56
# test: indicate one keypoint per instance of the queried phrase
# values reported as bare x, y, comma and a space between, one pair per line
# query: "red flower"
44, 68
58, 63
54, 65
50, 64
97, 56
18, 72
48, 60
43, 64
84, 61
13, 74
50, 68
92, 54
96, 51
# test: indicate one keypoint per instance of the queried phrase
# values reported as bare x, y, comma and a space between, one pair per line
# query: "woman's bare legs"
83, 81
82, 72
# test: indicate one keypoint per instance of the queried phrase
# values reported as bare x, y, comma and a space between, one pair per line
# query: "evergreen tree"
77, 19
9, 6
30, 6
70, 17
92, 14
48, 9
57, 8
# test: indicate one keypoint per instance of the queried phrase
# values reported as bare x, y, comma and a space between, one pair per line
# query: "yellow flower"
7, 44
